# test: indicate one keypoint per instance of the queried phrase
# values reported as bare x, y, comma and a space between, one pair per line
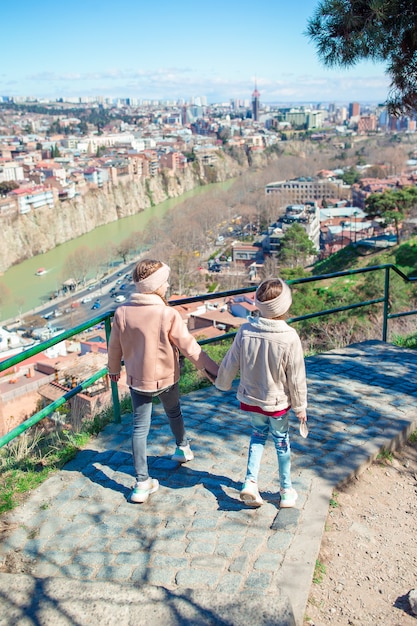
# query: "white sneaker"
288, 498
182, 454
250, 494
143, 490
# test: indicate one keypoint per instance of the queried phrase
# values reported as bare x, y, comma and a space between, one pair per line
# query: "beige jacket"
147, 335
269, 356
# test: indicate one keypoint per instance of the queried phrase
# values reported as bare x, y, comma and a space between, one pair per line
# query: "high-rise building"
184, 115
255, 104
354, 109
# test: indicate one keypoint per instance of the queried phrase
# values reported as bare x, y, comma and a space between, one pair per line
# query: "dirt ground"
368, 558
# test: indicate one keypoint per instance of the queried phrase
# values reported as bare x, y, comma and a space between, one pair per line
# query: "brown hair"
145, 268
268, 290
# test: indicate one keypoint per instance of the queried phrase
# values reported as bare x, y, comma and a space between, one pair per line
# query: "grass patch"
319, 572
385, 455
413, 437
333, 500
27, 461
409, 341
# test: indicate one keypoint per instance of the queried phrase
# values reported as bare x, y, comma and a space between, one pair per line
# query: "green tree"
348, 31
392, 205
83, 127
296, 247
350, 176
7, 185
55, 128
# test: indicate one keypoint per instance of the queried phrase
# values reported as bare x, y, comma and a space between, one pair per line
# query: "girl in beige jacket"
148, 334
268, 354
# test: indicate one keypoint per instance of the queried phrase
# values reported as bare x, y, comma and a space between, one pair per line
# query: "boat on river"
41, 271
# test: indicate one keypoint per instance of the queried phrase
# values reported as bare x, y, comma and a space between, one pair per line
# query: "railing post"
386, 305
114, 388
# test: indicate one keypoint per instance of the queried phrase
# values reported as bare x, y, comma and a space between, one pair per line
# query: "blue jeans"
142, 413
278, 427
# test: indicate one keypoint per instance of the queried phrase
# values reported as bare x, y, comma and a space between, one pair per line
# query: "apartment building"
96, 176
305, 118
306, 215
11, 170
173, 161
51, 169
151, 157
366, 124
301, 190
34, 198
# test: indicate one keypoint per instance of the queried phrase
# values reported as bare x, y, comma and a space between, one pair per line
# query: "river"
29, 291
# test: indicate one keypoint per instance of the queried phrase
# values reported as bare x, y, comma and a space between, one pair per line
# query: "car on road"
86, 300
120, 298
96, 305
123, 286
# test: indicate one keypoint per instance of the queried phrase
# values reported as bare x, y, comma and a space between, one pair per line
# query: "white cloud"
180, 82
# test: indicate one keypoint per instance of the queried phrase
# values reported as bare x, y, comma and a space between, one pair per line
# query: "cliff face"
42, 229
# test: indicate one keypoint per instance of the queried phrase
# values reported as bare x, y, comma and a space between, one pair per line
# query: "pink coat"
147, 334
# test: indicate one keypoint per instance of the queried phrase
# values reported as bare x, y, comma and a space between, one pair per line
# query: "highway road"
82, 305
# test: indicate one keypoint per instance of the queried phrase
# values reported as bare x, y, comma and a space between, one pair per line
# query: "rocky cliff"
42, 229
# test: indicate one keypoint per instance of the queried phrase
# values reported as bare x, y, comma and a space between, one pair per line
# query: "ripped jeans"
278, 427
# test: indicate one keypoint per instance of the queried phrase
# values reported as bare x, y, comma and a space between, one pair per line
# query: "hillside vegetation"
363, 323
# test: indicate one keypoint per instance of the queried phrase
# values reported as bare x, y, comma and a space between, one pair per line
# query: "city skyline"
219, 52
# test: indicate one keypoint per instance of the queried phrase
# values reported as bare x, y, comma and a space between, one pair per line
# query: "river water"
29, 291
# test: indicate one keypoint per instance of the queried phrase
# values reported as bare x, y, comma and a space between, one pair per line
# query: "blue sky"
171, 50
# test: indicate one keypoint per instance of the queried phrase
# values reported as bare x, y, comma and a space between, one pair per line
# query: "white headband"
279, 305
154, 281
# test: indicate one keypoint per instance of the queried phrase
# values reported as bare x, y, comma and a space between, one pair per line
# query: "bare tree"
78, 265
269, 269
183, 268
129, 245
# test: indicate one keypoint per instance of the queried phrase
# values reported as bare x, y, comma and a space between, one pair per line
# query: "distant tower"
255, 104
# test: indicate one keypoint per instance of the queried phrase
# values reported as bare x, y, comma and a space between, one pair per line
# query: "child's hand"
114, 377
302, 416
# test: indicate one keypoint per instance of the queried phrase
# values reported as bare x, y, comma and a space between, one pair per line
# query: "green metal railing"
107, 317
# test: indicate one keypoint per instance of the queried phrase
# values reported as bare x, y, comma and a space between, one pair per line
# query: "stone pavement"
79, 553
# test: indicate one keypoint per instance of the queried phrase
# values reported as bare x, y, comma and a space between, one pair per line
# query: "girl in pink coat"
148, 334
